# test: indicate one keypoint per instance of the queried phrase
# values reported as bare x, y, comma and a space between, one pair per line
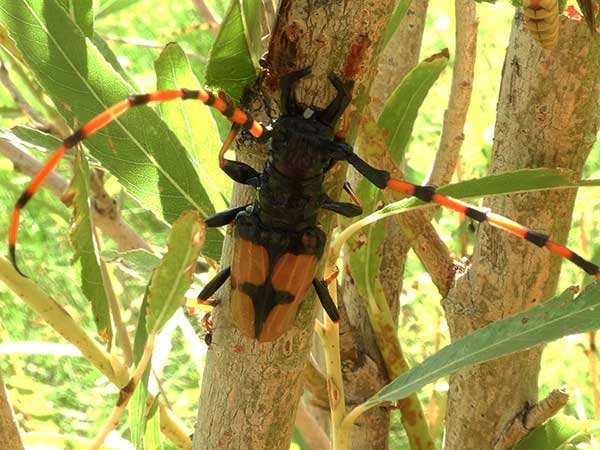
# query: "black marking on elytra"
75, 138
480, 215
537, 238
138, 99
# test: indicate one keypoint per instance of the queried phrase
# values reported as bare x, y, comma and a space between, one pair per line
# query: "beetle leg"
224, 217
326, 300
213, 286
238, 171
289, 105
343, 208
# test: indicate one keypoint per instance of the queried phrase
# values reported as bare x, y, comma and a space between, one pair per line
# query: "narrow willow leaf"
395, 20
557, 432
193, 124
137, 404
138, 148
401, 109
152, 436
80, 12
551, 320
518, 181
86, 248
173, 276
109, 7
365, 248
31, 138
251, 16
230, 64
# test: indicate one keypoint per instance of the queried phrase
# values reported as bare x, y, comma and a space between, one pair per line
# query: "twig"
592, 356
108, 220
312, 434
206, 12
18, 97
9, 432
115, 309
124, 395
531, 417
60, 320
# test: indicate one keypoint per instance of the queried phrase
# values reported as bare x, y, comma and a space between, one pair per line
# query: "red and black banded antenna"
235, 115
244, 121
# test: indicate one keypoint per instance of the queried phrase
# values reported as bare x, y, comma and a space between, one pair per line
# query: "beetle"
277, 243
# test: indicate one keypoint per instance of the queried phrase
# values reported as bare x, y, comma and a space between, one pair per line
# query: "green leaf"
365, 248
152, 436
557, 432
86, 248
395, 20
551, 320
32, 138
251, 16
138, 148
81, 13
174, 275
109, 7
140, 260
401, 109
137, 404
193, 124
523, 180
230, 64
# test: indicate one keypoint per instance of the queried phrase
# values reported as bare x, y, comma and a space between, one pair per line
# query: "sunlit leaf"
557, 317
86, 248
174, 275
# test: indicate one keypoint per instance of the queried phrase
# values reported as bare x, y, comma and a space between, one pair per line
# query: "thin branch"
530, 418
206, 12
312, 434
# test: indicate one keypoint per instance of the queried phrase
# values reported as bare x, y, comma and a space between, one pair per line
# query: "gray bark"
364, 372
548, 116
250, 391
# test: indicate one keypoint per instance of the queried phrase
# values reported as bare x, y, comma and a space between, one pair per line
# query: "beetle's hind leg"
213, 286
224, 217
238, 171
326, 300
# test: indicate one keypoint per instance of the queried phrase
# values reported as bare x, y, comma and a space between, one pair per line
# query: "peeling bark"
364, 371
250, 391
548, 116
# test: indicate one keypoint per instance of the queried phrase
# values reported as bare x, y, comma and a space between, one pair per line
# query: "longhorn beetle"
277, 243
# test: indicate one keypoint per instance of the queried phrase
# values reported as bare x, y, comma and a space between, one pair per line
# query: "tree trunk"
548, 116
9, 432
365, 372
250, 391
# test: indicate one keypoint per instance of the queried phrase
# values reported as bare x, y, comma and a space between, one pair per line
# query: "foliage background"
54, 391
